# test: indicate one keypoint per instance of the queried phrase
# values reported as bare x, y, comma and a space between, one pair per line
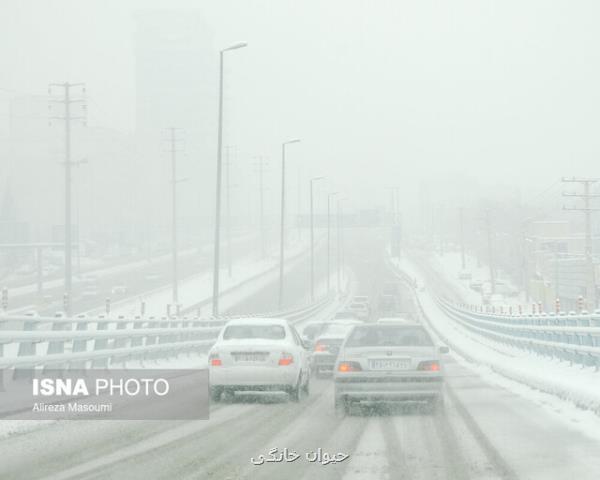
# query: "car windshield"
389, 336
270, 332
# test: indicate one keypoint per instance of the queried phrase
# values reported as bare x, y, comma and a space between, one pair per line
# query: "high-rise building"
176, 86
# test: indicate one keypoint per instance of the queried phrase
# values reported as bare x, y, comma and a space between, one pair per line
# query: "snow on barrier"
555, 354
104, 340
573, 337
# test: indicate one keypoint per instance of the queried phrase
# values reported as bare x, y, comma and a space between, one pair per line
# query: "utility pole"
490, 251
329, 195
312, 239
587, 209
395, 232
525, 259
174, 181
263, 234
340, 242
228, 207
282, 221
462, 237
68, 100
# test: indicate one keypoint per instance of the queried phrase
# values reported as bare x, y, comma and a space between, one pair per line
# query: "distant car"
464, 275
253, 354
476, 285
327, 345
393, 320
388, 363
311, 330
361, 299
118, 290
389, 304
391, 288
360, 309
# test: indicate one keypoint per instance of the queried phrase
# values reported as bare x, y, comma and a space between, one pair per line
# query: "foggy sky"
381, 92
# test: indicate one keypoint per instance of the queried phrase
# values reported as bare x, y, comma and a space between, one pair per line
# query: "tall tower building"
176, 86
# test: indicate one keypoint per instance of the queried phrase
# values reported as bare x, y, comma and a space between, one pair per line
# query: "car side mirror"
443, 349
306, 344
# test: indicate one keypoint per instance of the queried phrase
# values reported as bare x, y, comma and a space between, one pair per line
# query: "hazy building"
176, 84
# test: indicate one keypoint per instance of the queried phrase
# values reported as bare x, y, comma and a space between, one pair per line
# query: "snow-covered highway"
489, 429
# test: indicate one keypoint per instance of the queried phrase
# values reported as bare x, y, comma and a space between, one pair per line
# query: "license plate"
389, 364
249, 357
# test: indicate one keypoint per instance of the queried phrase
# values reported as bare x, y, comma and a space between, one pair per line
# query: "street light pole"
312, 239
331, 194
174, 219
282, 222
340, 240
217, 245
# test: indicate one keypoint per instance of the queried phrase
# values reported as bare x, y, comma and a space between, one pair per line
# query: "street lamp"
281, 233
312, 240
217, 245
329, 195
339, 243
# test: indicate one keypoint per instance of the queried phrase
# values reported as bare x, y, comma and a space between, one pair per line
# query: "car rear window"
389, 336
336, 329
270, 332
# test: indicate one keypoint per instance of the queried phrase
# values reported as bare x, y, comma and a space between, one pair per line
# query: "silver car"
327, 345
380, 363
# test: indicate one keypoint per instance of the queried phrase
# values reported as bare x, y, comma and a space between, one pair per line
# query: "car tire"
342, 407
215, 394
306, 387
294, 392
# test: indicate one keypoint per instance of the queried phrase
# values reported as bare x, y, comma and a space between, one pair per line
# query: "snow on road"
552, 385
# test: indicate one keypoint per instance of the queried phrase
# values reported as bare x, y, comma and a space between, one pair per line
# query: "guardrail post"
137, 324
5, 299
25, 349
121, 325
58, 346
80, 345
101, 343
580, 304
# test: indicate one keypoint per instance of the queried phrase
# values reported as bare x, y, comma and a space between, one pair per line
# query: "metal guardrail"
104, 340
574, 337
570, 337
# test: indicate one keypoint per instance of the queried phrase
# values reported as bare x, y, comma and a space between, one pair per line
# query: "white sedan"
395, 362
253, 354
